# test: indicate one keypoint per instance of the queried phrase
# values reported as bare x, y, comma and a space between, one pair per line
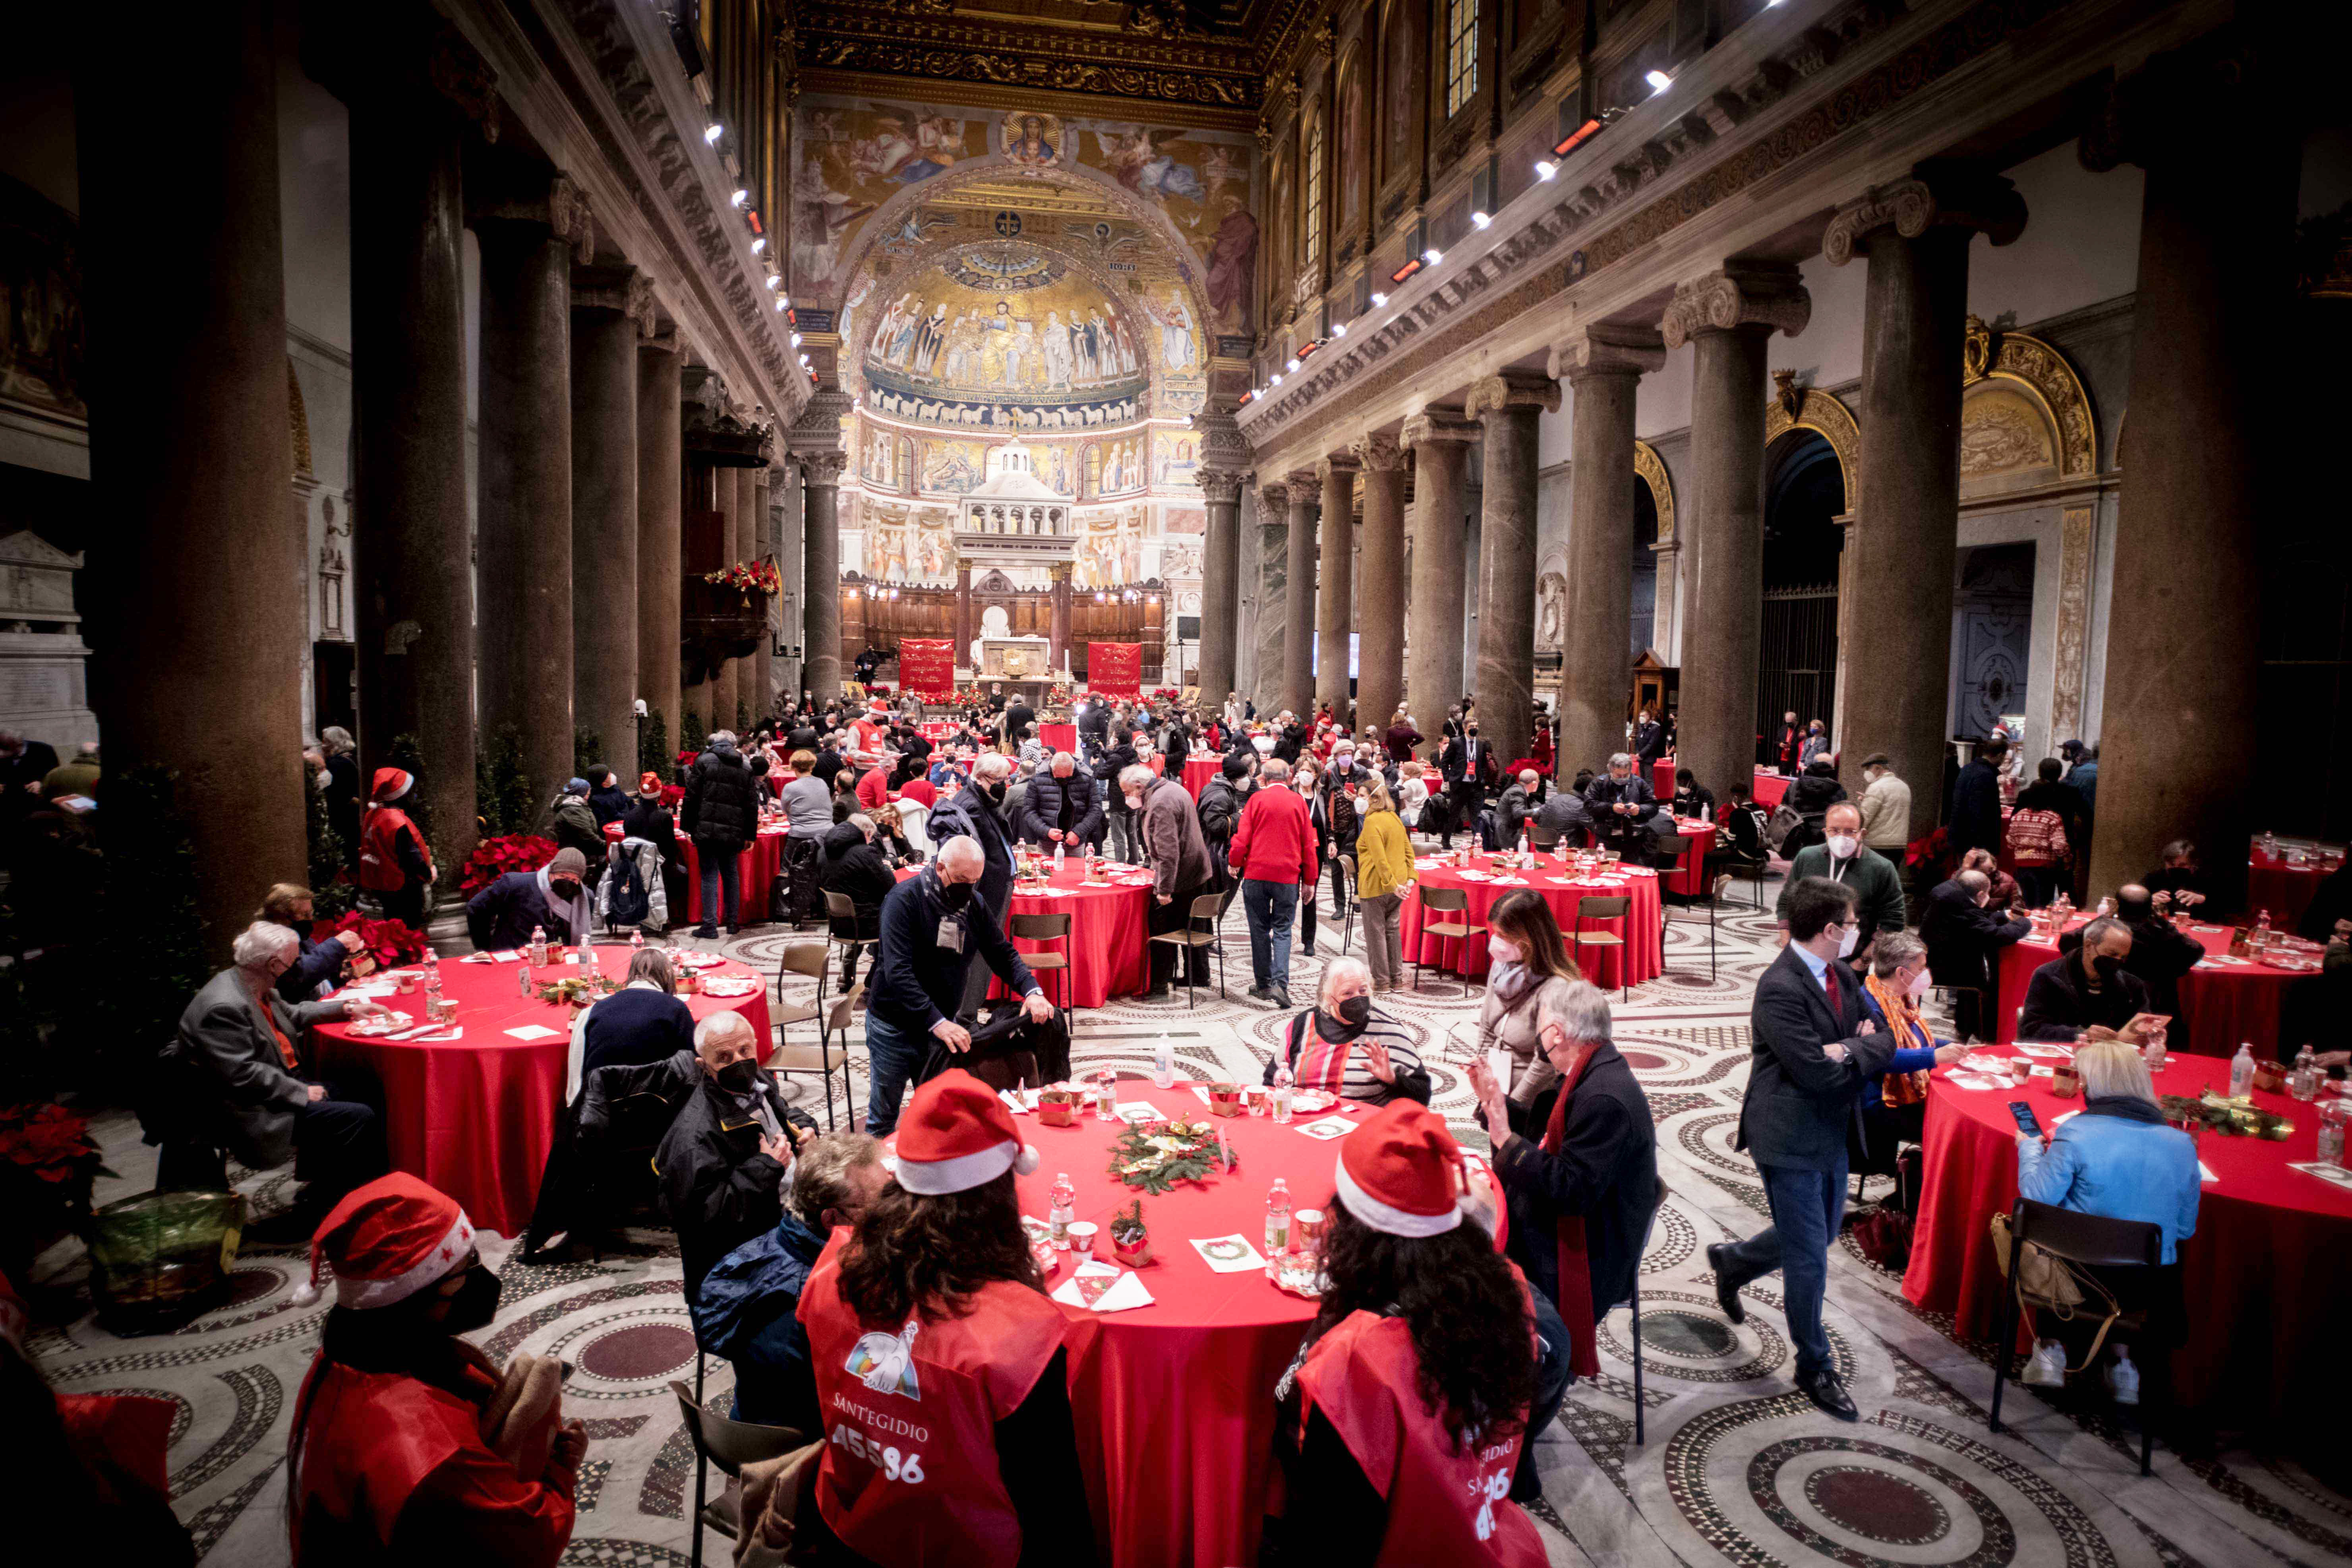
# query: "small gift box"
1057, 1107
2065, 1083
1225, 1100
1131, 1242
1134, 1257
2269, 1078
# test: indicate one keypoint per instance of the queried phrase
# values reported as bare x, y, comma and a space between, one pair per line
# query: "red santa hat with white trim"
1401, 1171
388, 1240
391, 784
957, 1135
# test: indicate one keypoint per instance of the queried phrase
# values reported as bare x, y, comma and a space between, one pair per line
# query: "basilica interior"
1926, 367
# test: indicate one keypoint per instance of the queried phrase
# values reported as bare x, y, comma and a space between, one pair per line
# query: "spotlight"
739, 198
1433, 256
1292, 366
1339, 329
713, 132
1546, 168
759, 245
774, 281
1275, 379
1659, 81
1379, 300
1480, 220
796, 340
780, 305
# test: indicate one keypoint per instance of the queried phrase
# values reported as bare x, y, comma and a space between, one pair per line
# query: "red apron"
911, 1474
1444, 1506
379, 853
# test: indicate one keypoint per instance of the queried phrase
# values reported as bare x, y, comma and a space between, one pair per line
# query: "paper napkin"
534, 1032
1329, 1128
1228, 1254
1103, 1287
1137, 1110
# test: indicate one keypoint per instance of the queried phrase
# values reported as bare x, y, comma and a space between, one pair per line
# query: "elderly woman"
1579, 1167
1894, 1103
1529, 972
250, 1088
1344, 1045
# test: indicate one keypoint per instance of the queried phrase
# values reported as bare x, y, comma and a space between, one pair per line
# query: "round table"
1770, 787
1108, 933
1607, 967
1175, 1401
2264, 1278
476, 1116
762, 861
1692, 879
2284, 889
2222, 1003
1198, 769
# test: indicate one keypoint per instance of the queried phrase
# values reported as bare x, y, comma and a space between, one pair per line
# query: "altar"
997, 654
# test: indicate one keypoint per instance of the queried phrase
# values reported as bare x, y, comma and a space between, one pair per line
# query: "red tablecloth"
1770, 787
1059, 737
476, 1117
1692, 878
2285, 891
1175, 1401
2220, 1007
2264, 1277
1106, 944
1199, 768
1602, 966
757, 872
1661, 778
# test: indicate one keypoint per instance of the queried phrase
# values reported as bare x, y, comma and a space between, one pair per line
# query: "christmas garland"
1156, 1155
750, 577
577, 990
2226, 1117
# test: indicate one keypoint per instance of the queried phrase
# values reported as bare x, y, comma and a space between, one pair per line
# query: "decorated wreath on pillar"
749, 577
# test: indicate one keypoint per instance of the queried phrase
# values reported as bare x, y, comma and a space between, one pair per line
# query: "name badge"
952, 935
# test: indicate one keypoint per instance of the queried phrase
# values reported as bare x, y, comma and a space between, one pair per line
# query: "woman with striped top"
1344, 1045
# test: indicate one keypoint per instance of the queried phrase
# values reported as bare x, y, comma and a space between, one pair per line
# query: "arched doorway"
1645, 573
1805, 495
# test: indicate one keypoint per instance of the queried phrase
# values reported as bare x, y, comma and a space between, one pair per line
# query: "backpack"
623, 900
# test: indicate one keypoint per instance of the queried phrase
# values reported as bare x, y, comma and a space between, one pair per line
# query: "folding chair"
1714, 897
837, 907
731, 1445
1200, 930
1046, 927
812, 959
1600, 909
1443, 901
819, 1057
2092, 1241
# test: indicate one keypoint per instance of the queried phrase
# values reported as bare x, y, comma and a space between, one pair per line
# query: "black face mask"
994, 789
565, 891
2108, 969
740, 1077
475, 1304
1356, 1011
956, 894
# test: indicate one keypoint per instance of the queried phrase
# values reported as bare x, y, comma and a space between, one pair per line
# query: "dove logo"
886, 1363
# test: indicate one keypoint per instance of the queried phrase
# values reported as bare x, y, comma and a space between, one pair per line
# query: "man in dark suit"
1976, 800
1649, 739
1964, 937
1470, 769
1813, 1045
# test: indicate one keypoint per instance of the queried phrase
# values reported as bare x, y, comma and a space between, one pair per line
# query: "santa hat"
957, 1135
391, 784
1401, 1171
388, 1240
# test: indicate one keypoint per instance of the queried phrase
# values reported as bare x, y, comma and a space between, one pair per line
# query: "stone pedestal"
607, 305
1508, 407
660, 566
1603, 366
1440, 439
1273, 598
1894, 691
1298, 601
1335, 586
1220, 583
43, 677
1728, 316
1379, 595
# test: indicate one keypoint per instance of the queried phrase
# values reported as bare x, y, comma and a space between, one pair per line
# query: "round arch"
1651, 470
2047, 379
1803, 408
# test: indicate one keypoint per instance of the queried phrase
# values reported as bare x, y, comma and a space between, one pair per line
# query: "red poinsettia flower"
390, 942
493, 858
48, 1140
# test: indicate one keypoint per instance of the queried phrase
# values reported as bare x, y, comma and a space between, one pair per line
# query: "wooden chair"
822, 1057
1443, 901
1200, 930
1542, 839
812, 959
2092, 1241
1598, 908
731, 1445
1046, 927
838, 906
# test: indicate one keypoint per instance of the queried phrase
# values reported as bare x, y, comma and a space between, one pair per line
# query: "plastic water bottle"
539, 947
2262, 930
2270, 845
1065, 1202
1058, 846
2242, 1072
1282, 1093
1106, 1095
1163, 1064
2304, 1083
1277, 1219
2123, 1378
432, 991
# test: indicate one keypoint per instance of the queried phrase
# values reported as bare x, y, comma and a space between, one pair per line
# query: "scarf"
2130, 1107
1510, 982
1901, 1089
1575, 1296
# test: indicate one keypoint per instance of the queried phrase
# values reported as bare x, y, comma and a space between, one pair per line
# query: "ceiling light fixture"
1480, 220
1292, 366
759, 245
713, 132
1659, 81
1546, 168
1339, 329
1379, 300
1433, 256
740, 197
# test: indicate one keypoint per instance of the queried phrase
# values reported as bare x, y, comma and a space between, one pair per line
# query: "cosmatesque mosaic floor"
1735, 1466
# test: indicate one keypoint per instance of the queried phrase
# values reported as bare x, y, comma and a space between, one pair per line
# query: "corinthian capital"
1273, 498
1504, 393
1438, 425
1380, 453
1608, 348
1223, 487
1951, 195
823, 470
1306, 486
613, 288
1343, 464
1743, 294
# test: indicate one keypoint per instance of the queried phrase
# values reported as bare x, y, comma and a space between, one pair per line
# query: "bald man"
727, 1159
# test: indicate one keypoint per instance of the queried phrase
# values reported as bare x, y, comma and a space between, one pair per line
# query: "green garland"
1156, 1155
2226, 1117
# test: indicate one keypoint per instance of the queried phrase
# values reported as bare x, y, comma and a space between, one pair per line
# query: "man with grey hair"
1169, 830
237, 1076
1964, 936
980, 812
1622, 804
723, 1164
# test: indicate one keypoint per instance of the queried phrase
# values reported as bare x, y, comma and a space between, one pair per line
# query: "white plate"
1312, 1101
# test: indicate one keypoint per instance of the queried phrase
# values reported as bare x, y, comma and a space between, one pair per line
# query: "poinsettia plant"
390, 942
493, 858
48, 1164
749, 577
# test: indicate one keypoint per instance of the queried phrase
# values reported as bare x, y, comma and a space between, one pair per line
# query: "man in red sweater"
1273, 849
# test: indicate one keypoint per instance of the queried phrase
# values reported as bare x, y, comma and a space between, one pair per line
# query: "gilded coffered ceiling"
1209, 56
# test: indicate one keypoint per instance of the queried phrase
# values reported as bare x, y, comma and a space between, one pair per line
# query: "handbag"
2045, 1280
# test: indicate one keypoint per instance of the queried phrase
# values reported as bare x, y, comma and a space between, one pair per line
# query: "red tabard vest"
379, 858
909, 1475
1443, 1507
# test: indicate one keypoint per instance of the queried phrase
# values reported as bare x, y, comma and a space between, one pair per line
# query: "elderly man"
1885, 808
554, 899
236, 1076
1622, 803
2160, 952
1843, 857
981, 812
724, 1162
1170, 831
1965, 934
1520, 805
2087, 994
932, 925
1064, 807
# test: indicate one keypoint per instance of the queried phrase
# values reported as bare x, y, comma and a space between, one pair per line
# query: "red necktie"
1828, 984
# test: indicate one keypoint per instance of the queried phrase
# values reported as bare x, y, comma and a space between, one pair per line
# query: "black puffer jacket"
1041, 808
722, 803
1816, 790
857, 869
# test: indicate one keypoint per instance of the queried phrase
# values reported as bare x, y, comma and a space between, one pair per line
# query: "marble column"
2209, 311
724, 687
608, 303
1059, 628
193, 594
750, 544
1220, 577
660, 567
1380, 597
1507, 406
1273, 597
764, 661
1727, 316
821, 480
413, 556
963, 613
1299, 602
789, 500
1335, 598
1440, 439
1902, 550
1603, 365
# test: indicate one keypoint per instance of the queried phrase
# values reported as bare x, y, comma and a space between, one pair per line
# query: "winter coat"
721, 810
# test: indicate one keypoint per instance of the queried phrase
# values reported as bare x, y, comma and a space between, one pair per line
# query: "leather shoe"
1727, 1293
1829, 1395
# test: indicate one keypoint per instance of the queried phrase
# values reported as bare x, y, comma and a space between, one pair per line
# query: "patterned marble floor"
1736, 1467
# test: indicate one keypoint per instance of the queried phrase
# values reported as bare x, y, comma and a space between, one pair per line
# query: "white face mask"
1501, 952
1135, 803
1306, 786
1842, 845
1919, 984
1848, 942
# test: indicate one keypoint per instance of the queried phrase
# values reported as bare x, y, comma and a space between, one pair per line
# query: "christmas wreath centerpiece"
575, 990
2231, 1118
1156, 1155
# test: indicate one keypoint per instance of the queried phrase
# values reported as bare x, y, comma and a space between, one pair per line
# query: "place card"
1228, 1254
2047, 1053
535, 1032
1330, 1126
1137, 1110
2335, 1174
1972, 1082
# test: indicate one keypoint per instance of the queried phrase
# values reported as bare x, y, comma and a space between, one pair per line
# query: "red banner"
1115, 669
927, 668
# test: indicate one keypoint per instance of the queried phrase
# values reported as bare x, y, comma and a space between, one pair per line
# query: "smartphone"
2026, 1120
